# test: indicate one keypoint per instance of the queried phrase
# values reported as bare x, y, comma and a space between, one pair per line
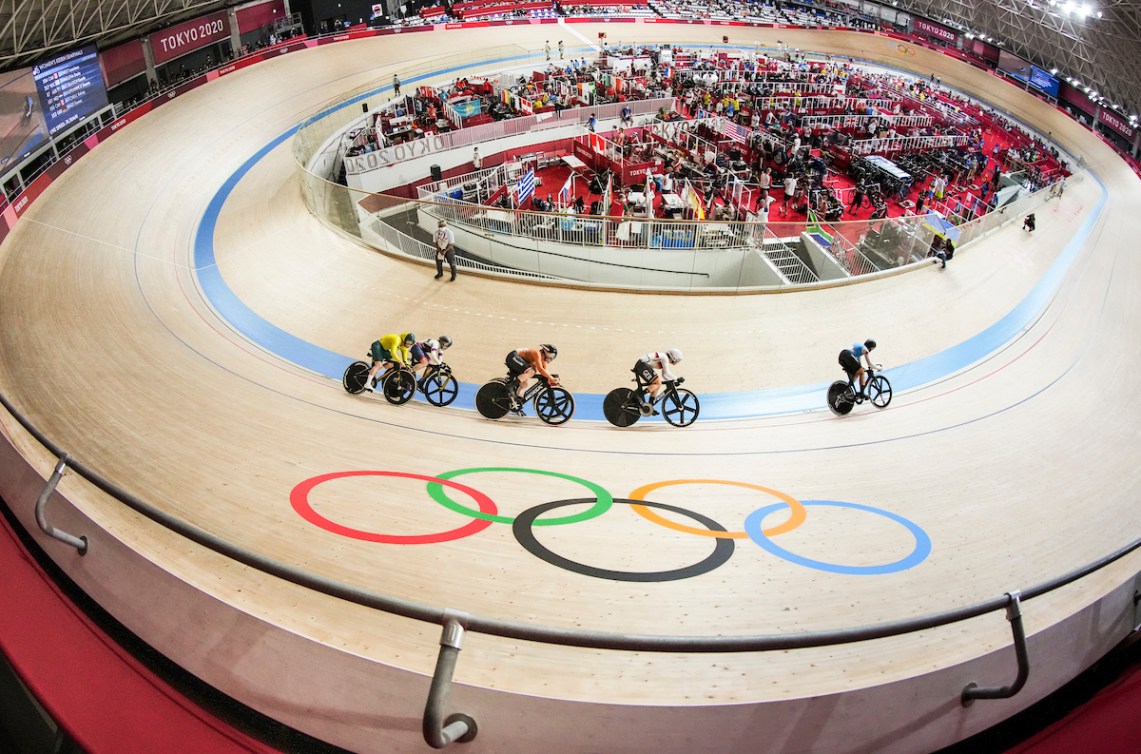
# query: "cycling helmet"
674, 355
869, 344
409, 338
445, 342
554, 352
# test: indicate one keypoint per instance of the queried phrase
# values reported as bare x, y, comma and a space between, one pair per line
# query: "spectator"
445, 249
395, 85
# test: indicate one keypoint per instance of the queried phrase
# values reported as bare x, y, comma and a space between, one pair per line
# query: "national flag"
526, 186
565, 191
597, 144
734, 131
813, 227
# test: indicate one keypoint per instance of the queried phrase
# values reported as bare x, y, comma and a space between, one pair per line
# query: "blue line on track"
589, 406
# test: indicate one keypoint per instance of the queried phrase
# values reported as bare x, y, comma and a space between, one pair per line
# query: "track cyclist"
428, 352
389, 352
850, 361
524, 364
646, 368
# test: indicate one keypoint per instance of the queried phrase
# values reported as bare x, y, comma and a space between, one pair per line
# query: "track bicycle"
623, 406
553, 404
843, 395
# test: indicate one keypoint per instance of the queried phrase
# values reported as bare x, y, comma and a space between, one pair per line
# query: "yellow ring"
797, 517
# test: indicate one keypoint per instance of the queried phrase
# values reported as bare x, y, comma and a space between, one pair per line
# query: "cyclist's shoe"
655, 412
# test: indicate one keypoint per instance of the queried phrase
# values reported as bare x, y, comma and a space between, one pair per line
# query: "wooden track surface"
1019, 466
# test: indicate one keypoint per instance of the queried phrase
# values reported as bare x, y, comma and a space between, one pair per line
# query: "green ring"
604, 498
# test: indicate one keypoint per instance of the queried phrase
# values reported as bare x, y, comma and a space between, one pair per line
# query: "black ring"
525, 534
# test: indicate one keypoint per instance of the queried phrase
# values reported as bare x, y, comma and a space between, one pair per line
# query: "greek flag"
526, 186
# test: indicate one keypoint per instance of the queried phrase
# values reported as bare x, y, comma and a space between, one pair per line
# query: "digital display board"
1013, 66
70, 87
22, 126
1044, 81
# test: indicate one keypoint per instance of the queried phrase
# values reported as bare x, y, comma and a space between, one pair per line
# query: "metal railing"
439, 731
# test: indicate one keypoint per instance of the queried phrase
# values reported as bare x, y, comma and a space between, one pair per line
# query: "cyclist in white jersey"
429, 351
646, 369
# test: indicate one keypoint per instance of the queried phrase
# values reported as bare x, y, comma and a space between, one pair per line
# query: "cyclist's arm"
667, 375
534, 357
434, 357
868, 359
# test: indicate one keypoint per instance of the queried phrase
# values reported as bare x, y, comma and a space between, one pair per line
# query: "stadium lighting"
1054, 71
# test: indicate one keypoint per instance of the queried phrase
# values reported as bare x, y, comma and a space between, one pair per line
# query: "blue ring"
917, 556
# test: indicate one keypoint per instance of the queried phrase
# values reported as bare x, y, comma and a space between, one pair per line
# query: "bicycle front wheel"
680, 407
440, 388
879, 391
554, 406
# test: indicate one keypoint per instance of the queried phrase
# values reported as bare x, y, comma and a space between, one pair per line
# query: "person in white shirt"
646, 369
445, 249
789, 192
428, 353
476, 159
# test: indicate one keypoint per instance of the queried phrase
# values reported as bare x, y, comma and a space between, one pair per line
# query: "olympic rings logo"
903, 49
484, 512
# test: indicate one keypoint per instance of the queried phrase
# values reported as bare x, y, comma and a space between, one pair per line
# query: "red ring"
299, 498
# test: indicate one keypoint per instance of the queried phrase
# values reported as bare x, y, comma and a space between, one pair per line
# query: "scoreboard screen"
70, 87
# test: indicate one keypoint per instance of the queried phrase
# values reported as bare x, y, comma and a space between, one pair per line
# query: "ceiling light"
1054, 71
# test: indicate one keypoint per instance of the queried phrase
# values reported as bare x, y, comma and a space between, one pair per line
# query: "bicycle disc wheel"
680, 407
840, 398
879, 391
399, 387
554, 406
355, 376
440, 388
621, 407
492, 401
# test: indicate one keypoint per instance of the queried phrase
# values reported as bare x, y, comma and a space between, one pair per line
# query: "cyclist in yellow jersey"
389, 352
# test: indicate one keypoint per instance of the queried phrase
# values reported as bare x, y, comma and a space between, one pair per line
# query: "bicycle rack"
972, 691
458, 727
79, 543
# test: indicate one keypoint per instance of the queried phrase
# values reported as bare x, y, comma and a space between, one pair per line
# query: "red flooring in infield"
99, 693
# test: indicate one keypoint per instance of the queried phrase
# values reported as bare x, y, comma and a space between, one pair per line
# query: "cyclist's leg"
648, 378
379, 357
522, 382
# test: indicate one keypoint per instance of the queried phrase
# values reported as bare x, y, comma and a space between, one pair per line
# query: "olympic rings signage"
483, 512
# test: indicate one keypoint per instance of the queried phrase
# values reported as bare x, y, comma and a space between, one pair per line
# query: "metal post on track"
973, 691
439, 731
79, 543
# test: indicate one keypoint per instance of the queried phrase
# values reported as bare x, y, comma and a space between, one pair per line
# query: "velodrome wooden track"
1019, 466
